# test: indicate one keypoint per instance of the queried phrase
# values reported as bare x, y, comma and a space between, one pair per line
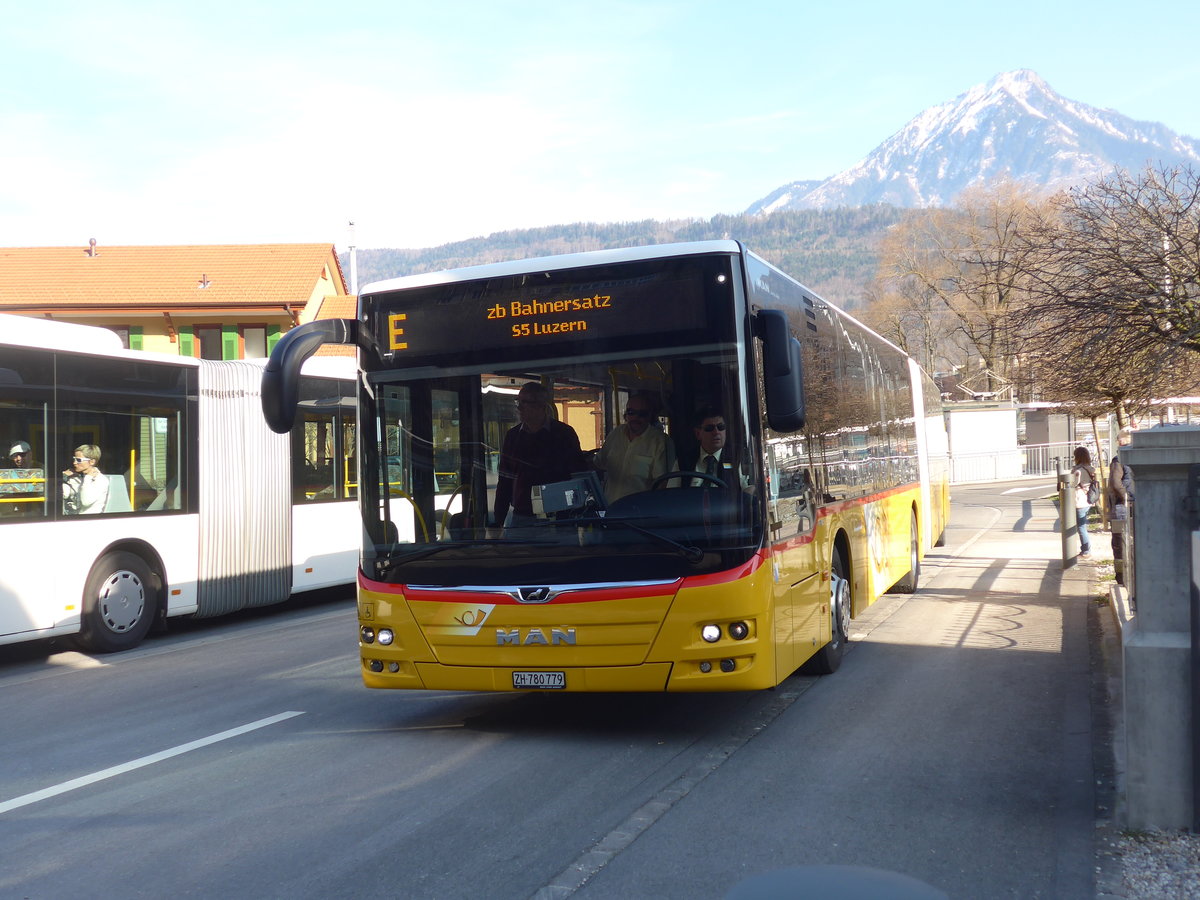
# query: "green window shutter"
187, 341
273, 336
135, 337
229, 342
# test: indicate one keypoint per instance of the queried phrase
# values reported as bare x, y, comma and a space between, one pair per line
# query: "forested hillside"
834, 252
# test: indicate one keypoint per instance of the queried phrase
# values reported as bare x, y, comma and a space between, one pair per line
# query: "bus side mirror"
782, 372
281, 376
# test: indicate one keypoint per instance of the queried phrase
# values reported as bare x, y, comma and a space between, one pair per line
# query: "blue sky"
246, 122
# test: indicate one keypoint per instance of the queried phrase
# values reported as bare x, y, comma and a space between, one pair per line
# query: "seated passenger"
539, 449
85, 488
20, 456
636, 453
22, 483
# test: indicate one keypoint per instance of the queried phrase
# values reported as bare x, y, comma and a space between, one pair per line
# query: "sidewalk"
954, 746
1133, 865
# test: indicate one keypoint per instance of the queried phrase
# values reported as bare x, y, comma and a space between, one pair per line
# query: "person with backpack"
1120, 495
1086, 492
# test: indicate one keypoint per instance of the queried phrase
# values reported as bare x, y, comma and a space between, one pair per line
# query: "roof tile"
166, 275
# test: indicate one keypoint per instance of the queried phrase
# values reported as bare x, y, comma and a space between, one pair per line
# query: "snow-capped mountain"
1015, 125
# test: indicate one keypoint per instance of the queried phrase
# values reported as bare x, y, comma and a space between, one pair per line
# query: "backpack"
1093, 493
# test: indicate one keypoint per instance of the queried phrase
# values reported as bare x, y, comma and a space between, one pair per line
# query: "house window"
254, 341
208, 341
122, 331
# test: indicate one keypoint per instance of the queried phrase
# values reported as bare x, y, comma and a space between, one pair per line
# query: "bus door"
791, 527
435, 463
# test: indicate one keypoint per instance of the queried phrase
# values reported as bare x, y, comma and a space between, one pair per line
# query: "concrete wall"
1157, 639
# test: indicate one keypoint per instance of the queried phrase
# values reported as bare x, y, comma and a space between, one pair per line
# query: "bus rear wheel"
908, 584
119, 603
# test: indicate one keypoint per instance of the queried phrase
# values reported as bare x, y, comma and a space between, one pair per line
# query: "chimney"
91, 250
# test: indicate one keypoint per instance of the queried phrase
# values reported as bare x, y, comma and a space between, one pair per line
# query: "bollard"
1066, 516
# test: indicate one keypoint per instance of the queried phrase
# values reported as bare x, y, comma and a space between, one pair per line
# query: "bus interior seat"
118, 495
167, 498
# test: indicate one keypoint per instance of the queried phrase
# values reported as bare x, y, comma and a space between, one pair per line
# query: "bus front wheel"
841, 606
118, 603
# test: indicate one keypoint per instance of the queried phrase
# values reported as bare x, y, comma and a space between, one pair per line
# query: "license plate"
541, 680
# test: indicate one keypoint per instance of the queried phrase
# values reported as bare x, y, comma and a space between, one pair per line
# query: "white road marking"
85, 780
1025, 490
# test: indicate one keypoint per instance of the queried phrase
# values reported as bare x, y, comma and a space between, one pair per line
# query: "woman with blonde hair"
85, 487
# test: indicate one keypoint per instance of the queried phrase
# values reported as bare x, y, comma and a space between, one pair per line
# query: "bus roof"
50, 334
553, 263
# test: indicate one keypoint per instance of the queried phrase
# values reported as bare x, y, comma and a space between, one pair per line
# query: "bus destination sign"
446, 319
554, 316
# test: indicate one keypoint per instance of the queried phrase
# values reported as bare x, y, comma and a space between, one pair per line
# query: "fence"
1018, 462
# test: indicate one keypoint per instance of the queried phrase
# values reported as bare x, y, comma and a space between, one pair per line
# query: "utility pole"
353, 262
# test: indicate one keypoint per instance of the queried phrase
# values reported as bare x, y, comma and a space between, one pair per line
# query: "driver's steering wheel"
663, 479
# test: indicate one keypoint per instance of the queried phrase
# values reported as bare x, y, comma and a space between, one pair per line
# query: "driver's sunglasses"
640, 413
720, 427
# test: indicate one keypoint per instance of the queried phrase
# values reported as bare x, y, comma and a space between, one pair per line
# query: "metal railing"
1001, 465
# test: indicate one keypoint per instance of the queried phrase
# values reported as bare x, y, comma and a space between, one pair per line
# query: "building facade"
229, 301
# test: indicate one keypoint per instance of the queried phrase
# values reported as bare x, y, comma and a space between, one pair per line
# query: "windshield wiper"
690, 553
394, 560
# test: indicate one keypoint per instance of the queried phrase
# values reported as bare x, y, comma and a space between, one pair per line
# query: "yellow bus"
501, 553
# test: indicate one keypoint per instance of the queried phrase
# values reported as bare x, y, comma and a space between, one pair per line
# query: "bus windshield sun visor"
281, 376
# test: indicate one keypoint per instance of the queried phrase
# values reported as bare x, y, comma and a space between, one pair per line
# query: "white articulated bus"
206, 512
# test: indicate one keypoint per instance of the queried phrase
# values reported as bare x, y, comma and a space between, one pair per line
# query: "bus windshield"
581, 457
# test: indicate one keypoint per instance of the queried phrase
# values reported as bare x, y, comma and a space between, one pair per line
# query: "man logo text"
535, 636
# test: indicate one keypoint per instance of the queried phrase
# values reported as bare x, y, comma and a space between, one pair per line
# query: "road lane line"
599, 854
85, 780
1026, 490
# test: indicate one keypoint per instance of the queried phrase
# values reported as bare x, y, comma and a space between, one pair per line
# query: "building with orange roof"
223, 301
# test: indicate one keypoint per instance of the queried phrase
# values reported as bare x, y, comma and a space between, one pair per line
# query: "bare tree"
915, 320
972, 259
1118, 263
1094, 376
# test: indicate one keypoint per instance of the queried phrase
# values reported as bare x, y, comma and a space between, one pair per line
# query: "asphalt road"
243, 757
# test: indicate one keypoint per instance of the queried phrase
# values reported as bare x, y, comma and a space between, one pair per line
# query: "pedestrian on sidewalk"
1120, 495
1083, 480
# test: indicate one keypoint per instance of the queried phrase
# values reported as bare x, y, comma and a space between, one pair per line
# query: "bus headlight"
710, 633
739, 630
367, 634
386, 636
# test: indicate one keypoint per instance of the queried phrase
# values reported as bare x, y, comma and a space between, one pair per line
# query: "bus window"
22, 468
25, 390
139, 455
323, 443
